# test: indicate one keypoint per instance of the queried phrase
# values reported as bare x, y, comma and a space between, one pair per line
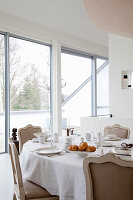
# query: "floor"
6, 178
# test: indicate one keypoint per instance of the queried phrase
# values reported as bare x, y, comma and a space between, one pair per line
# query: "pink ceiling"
114, 16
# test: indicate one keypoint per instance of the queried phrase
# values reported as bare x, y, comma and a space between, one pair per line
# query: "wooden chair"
25, 190
26, 133
108, 178
122, 132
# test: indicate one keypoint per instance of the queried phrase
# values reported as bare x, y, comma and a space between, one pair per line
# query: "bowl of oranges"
82, 150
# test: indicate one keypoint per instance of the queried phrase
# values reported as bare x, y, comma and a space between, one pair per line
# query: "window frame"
93, 76
7, 35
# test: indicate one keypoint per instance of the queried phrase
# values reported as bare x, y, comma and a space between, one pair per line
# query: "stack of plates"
122, 151
111, 137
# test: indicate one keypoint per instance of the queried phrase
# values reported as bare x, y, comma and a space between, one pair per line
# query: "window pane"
74, 71
78, 106
103, 91
29, 83
100, 62
76, 88
2, 95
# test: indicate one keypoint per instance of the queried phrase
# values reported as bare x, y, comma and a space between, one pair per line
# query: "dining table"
60, 174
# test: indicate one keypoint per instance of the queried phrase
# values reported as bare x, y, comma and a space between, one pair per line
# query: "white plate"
107, 144
112, 139
48, 150
122, 152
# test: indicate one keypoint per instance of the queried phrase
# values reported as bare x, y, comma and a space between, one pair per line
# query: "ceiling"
112, 16
67, 16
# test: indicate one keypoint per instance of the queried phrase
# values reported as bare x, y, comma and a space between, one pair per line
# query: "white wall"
121, 59
25, 28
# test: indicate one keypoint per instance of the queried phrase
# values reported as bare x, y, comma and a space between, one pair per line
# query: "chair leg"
14, 197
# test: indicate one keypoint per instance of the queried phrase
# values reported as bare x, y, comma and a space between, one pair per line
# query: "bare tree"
16, 69
24, 84
30, 95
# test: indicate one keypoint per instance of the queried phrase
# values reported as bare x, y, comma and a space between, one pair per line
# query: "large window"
25, 89
29, 83
78, 86
2, 95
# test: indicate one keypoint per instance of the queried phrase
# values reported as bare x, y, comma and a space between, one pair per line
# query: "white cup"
41, 139
99, 138
68, 142
55, 137
87, 136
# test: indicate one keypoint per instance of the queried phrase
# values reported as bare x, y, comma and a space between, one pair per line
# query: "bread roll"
75, 148
91, 149
84, 145
81, 148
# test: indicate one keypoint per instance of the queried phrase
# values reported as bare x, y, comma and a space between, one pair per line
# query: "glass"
74, 71
29, 84
99, 62
103, 90
2, 95
76, 96
78, 106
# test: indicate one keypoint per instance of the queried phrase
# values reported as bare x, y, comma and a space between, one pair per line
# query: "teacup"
42, 139
68, 140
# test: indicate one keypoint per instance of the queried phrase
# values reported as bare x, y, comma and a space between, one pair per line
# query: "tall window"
76, 87
2, 95
29, 83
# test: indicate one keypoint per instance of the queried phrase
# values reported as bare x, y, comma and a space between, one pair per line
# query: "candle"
99, 124
100, 132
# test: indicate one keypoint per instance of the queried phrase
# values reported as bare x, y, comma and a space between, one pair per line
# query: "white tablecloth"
60, 175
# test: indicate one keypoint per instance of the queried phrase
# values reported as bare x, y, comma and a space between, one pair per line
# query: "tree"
27, 89
30, 95
46, 86
16, 69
